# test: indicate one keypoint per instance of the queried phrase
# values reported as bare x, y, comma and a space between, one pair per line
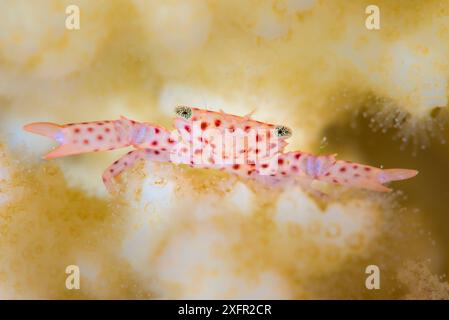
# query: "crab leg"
128, 160
105, 135
364, 176
85, 137
328, 169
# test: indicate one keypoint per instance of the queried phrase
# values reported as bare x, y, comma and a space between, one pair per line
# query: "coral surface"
176, 232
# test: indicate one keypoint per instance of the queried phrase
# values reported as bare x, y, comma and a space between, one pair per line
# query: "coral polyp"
410, 130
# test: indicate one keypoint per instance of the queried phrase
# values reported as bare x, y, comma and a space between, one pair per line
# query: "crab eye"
184, 112
282, 132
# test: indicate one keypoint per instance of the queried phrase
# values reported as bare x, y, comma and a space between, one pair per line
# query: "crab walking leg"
330, 170
96, 136
128, 160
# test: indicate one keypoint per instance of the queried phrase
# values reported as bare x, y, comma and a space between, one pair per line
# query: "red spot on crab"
281, 161
100, 137
204, 125
297, 156
77, 130
236, 166
217, 123
107, 129
154, 143
342, 169
85, 141
265, 166
169, 140
187, 128
156, 130
90, 129
367, 169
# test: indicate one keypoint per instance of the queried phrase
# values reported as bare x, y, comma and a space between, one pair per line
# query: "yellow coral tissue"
224, 149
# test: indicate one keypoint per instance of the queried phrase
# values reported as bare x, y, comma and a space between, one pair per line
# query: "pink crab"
201, 141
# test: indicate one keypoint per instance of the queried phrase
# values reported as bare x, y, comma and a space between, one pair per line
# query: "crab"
208, 139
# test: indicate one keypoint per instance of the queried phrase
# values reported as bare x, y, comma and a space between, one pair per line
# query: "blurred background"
378, 97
